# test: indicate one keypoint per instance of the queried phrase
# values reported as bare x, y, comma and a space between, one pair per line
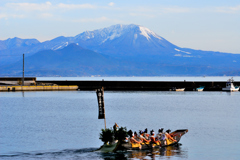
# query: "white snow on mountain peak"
118, 30
110, 33
114, 31
147, 33
111, 37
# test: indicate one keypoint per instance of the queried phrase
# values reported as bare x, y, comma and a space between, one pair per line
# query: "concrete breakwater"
32, 84
38, 88
143, 85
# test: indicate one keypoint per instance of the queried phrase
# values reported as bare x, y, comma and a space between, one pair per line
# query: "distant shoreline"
144, 78
120, 83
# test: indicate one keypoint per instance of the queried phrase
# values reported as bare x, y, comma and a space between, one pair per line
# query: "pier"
38, 88
32, 84
143, 85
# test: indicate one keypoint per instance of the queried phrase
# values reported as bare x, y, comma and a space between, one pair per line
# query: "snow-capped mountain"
108, 34
133, 49
116, 40
119, 38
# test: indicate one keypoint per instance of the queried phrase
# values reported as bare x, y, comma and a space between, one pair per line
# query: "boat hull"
231, 89
200, 88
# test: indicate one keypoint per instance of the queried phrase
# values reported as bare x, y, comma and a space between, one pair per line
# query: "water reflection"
118, 155
166, 151
22, 93
173, 151
232, 93
170, 151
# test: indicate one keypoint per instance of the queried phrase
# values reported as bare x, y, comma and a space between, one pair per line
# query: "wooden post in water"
23, 72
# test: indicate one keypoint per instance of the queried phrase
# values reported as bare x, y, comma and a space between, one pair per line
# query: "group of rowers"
144, 137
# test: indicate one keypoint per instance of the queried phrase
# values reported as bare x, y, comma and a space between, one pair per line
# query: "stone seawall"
144, 85
38, 88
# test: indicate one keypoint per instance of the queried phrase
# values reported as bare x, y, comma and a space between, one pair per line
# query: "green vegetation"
109, 135
121, 134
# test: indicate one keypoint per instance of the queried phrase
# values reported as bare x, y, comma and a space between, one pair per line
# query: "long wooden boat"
116, 145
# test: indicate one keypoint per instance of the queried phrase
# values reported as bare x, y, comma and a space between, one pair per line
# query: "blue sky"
207, 24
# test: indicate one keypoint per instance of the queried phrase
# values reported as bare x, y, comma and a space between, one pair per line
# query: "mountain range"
119, 50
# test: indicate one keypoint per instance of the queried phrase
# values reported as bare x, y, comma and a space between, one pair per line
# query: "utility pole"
23, 72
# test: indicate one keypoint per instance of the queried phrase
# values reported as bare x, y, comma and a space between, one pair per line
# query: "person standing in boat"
115, 127
168, 136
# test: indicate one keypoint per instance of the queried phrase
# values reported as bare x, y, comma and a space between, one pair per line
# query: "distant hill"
17, 42
119, 50
12, 49
72, 60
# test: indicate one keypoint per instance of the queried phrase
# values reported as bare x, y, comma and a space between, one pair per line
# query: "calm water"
64, 124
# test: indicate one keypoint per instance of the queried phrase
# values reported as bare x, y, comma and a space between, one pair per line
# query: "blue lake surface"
65, 124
